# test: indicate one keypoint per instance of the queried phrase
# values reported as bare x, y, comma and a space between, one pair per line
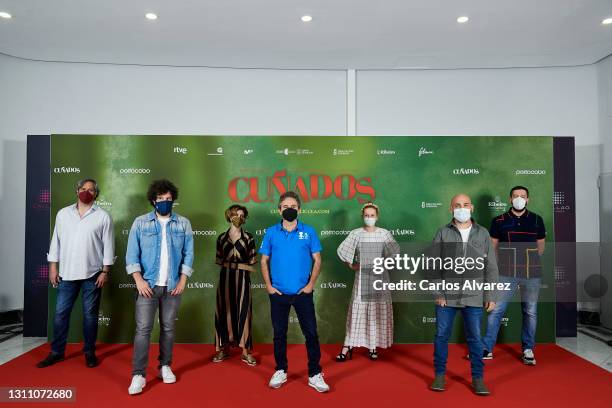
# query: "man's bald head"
461, 200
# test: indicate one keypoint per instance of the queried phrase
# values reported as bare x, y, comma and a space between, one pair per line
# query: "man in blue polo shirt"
519, 236
290, 264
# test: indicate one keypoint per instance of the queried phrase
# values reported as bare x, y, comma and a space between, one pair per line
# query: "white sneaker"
278, 379
166, 374
529, 357
138, 383
318, 383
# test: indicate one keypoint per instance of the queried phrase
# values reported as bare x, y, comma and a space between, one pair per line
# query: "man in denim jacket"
160, 259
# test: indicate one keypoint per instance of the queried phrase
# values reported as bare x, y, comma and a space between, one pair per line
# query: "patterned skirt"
233, 312
369, 325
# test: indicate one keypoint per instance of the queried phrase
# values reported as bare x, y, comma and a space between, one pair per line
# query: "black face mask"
289, 214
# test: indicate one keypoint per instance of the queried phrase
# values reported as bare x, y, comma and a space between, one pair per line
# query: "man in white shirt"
83, 246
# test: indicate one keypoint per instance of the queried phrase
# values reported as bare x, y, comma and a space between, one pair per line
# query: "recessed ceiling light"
151, 16
4, 14
607, 21
307, 19
463, 19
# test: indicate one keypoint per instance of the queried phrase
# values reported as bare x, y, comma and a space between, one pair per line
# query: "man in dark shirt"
519, 237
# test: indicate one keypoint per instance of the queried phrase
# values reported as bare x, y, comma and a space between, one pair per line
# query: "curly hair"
233, 209
162, 186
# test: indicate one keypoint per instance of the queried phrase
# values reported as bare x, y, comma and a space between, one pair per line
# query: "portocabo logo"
134, 171
530, 172
310, 187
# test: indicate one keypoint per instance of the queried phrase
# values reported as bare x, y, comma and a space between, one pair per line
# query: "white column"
351, 102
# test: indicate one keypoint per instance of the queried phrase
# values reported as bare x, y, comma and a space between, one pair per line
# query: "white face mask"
369, 221
462, 214
519, 203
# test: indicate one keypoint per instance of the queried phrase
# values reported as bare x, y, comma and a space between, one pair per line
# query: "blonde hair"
369, 205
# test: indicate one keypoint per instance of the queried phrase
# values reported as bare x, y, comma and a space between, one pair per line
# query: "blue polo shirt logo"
290, 255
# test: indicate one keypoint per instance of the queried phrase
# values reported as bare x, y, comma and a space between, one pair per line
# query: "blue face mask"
164, 207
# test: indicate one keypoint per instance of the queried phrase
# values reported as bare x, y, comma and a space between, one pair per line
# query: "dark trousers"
280, 305
445, 317
67, 293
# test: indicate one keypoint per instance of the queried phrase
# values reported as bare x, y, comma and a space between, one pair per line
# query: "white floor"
18, 345
595, 351
584, 346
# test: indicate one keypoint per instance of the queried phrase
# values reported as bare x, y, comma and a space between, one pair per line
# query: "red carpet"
400, 378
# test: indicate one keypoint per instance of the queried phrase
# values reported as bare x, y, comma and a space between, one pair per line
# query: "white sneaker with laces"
138, 383
278, 379
166, 374
318, 383
529, 357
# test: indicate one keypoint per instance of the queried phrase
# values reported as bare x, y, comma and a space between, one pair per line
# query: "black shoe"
486, 355
51, 359
373, 354
91, 360
342, 357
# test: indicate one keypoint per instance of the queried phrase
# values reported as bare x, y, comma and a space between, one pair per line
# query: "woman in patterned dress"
236, 254
369, 322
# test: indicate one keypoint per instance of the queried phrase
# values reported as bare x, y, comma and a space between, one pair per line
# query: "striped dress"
369, 321
233, 313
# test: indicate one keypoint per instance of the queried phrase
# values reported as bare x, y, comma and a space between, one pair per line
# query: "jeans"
280, 305
67, 292
530, 289
146, 309
445, 316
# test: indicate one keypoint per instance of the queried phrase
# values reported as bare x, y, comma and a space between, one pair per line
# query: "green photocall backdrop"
411, 178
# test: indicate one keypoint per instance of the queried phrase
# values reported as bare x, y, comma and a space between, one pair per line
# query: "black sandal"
373, 354
342, 357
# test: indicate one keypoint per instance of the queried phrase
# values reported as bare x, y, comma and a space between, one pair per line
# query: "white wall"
605, 129
510, 102
605, 112
44, 98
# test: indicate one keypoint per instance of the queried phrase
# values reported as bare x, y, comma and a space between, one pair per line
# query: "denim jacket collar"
152, 216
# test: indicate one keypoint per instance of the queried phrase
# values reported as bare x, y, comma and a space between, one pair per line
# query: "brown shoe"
220, 356
249, 359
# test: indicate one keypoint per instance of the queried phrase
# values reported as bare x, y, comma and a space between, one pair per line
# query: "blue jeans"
67, 292
445, 317
530, 289
280, 305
